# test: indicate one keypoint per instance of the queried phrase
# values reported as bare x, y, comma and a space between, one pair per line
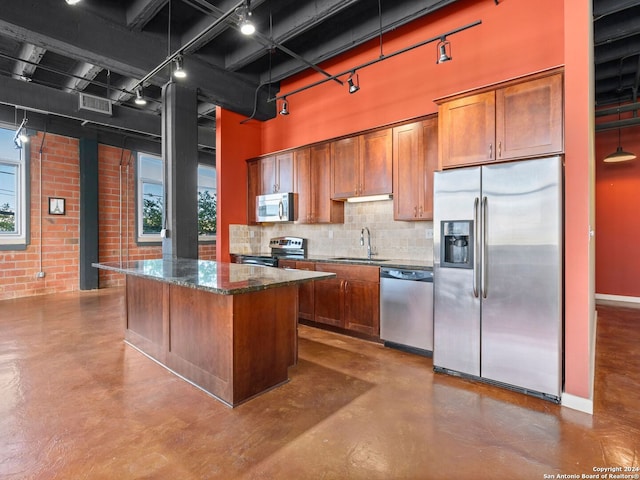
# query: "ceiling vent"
95, 104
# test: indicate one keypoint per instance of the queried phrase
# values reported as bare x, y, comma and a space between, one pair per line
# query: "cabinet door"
284, 172
345, 180
286, 263
529, 118
302, 159
267, 175
253, 189
362, 307
429, 165
323, 208
376, 162
407, 155
306, 293
328, 301
467, 130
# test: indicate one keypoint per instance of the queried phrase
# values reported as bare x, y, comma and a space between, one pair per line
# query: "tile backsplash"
389, 238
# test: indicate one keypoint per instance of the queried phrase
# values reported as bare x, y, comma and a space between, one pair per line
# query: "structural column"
180, 154
89, 234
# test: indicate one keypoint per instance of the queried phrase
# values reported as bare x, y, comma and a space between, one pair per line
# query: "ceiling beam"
31, 56
87, 37
88, 73
303, 18
142, 11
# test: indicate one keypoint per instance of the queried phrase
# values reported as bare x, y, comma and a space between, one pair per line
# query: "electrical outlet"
330, 233
429, 233
40, 274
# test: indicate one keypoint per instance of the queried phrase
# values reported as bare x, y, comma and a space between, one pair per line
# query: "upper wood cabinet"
362, 165
313, 186
518, 120
276, 173
415, 158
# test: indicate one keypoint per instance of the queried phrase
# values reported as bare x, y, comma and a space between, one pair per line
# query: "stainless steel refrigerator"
498, 263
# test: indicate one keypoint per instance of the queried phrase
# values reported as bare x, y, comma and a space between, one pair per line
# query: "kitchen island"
229, 329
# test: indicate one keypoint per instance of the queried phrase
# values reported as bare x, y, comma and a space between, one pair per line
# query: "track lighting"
179, 70
140, 100
444, 50
21, 136
354, 82
72, 2
285, 107
244, 14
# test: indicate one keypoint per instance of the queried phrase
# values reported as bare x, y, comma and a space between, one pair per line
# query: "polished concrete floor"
77, 403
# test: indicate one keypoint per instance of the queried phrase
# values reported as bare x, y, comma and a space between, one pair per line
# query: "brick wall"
54, 249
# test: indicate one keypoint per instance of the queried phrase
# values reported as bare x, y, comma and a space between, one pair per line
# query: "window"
151, 199
207, 202
13, 192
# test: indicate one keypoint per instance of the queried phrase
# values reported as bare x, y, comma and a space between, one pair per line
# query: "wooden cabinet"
415, 158
306, 293
351, 300
276, 173
253, 189
313, 186
362, 165
518, 120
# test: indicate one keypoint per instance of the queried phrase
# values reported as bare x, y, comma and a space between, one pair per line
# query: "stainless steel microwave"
275, 207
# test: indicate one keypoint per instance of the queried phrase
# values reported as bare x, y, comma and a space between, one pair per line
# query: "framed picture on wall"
56, 206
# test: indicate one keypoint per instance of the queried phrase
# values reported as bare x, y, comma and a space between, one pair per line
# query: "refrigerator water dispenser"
457, 244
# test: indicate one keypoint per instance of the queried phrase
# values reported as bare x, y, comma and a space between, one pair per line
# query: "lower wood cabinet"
351, 300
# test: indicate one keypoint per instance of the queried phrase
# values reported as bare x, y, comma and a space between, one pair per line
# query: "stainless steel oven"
281, 247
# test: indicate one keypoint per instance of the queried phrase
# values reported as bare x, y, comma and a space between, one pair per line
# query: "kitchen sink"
359, 259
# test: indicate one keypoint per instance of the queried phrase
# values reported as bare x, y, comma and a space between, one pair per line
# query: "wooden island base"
231, 346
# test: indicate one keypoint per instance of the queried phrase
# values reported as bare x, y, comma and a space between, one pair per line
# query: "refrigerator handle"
483, 283
476, 257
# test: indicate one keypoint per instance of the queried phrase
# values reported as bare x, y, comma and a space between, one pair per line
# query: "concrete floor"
77, 403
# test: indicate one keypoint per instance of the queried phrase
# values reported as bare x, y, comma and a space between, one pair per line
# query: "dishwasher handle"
409, 275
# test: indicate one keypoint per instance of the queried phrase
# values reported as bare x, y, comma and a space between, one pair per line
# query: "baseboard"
577, 403
617, 298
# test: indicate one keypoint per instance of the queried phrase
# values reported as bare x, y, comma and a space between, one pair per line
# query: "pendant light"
619, 155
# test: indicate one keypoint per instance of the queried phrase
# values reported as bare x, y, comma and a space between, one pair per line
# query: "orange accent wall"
617, 214
514, 39
579, 198
240, 142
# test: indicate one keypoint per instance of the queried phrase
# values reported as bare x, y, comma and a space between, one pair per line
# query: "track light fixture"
244, 14
179, 70
285, 107
21, 136
444, 51
72, 2
354, 82
140, 100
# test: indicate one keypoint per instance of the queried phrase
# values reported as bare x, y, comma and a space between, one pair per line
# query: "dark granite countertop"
375, 261
217, 277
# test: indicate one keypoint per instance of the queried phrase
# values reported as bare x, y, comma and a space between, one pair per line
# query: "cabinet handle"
499, 149
421, 211
415, 211
490, 151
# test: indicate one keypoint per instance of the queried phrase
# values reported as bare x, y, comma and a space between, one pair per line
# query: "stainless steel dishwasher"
406, 309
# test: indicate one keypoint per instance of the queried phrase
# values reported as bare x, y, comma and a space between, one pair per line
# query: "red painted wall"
514, 39
239, 142
617, 214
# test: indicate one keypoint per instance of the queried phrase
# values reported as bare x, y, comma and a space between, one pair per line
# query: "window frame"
20, 239
156, 239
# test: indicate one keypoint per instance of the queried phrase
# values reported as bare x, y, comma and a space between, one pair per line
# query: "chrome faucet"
368, 241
